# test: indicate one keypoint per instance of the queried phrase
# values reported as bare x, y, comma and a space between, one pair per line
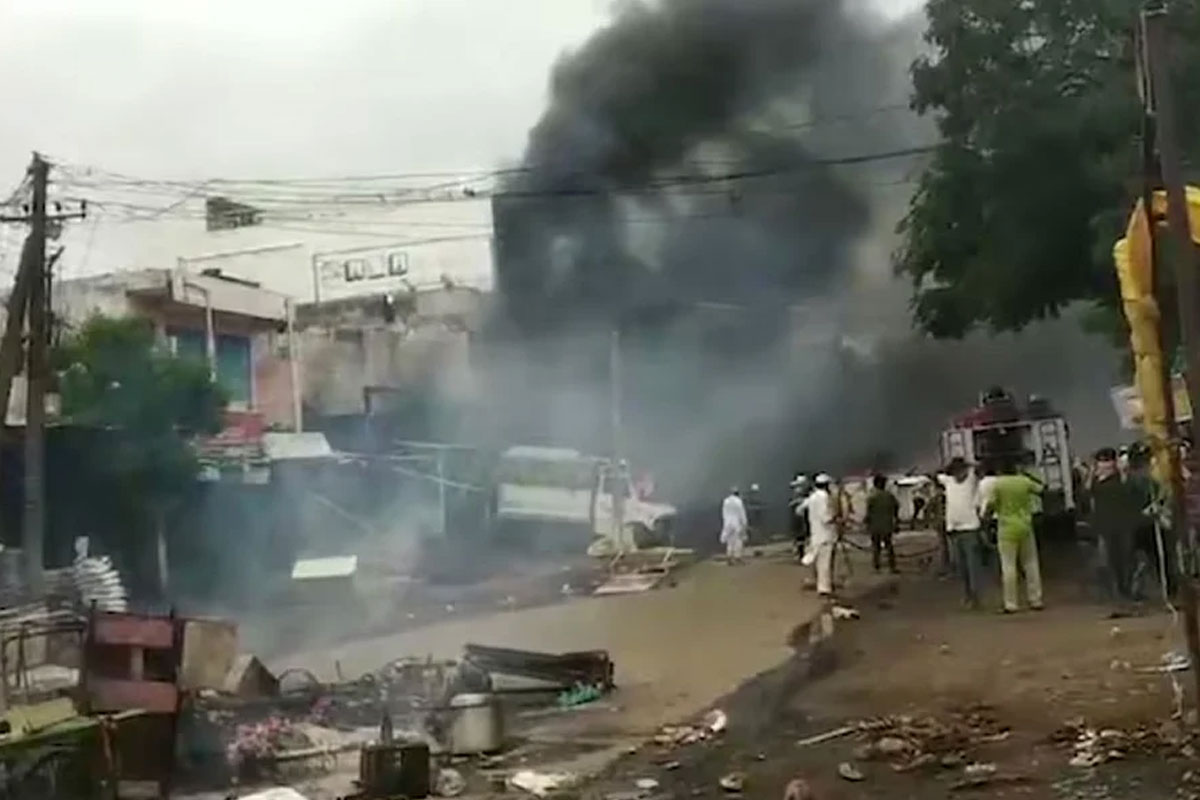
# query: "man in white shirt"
822, 533
962, 500
734, 524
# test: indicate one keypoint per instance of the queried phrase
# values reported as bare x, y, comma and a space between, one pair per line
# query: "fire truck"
1032, 434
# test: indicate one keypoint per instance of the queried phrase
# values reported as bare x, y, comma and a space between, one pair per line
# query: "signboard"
1128, 404
361, 270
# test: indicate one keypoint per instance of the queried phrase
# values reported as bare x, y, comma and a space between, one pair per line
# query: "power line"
465, 175
680, 184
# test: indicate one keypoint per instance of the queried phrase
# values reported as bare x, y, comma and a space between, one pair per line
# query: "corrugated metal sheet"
333, 567
287, 446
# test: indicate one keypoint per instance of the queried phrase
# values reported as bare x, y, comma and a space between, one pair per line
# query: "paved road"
676, 649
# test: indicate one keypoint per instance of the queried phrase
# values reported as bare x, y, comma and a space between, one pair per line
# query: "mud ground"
675, 648
919, 653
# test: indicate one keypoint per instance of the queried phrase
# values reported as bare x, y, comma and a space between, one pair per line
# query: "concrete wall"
347, 346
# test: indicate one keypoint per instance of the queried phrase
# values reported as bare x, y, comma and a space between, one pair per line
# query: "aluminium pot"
476, 724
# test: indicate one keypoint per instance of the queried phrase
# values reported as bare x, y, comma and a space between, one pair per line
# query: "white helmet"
823, 479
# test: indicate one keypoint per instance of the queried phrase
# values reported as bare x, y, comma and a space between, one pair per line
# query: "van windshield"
557, 473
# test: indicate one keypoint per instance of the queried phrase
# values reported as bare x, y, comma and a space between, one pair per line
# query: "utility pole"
619, 478
1160, 120
33, 532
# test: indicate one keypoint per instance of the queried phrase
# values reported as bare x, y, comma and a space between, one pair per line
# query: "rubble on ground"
1092, 746
912, 742
714, 723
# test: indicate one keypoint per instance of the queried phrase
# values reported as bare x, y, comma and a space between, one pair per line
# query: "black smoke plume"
681, 187
642, 122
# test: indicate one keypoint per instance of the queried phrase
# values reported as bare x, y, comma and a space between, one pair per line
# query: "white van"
569, 493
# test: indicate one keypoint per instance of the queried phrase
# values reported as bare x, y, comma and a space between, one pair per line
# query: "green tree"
1015, 216
147, 404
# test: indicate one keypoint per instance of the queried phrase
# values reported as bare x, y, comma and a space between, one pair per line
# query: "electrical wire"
465, 175
462, 193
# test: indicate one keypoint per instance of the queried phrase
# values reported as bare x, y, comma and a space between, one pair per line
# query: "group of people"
977, 511
814, 515
972, 505
969, 506
1122, 507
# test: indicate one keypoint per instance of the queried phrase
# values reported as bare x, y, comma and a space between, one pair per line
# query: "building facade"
248, 326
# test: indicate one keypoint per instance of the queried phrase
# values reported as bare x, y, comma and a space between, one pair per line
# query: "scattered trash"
733, 783
944, 649
716, 720
671, 766
988, 780
850, 772
836, 733
1174, 661
646, 784
567, 590
979, 770
918, 761
275, 793
892, 746
909, 742
450, 783
798, 789
541, 784
578, 695
845, 612
1091, 747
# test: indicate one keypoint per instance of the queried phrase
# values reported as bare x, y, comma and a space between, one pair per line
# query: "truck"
560, 495
1034, 433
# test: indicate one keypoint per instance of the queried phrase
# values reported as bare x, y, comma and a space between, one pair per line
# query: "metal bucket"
476, 724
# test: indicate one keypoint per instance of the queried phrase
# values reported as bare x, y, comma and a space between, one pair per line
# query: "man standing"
822, 526
798, 514
733, 526
1014, 498
882, 520
754, 514
960, 487
1114, 518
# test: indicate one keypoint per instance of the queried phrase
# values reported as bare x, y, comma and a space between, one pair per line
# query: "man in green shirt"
1014, 497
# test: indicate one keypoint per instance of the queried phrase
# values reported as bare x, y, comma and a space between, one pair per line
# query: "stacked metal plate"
97, 581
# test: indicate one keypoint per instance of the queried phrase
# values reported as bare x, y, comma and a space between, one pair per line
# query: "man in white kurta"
734, 526
822, 534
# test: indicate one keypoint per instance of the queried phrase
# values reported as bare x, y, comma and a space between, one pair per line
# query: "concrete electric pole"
33, 530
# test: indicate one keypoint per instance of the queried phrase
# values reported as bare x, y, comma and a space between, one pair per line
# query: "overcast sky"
281, 87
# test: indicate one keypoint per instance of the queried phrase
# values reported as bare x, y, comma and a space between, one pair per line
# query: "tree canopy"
1016, 214
114, 376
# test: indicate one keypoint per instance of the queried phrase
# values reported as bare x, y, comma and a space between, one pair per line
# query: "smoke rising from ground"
761, 328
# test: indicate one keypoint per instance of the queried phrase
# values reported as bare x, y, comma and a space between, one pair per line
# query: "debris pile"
714, 722
1091, 747
912, 742
255, 744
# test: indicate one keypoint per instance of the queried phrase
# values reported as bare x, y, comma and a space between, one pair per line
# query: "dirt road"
1019, 680
676, 648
